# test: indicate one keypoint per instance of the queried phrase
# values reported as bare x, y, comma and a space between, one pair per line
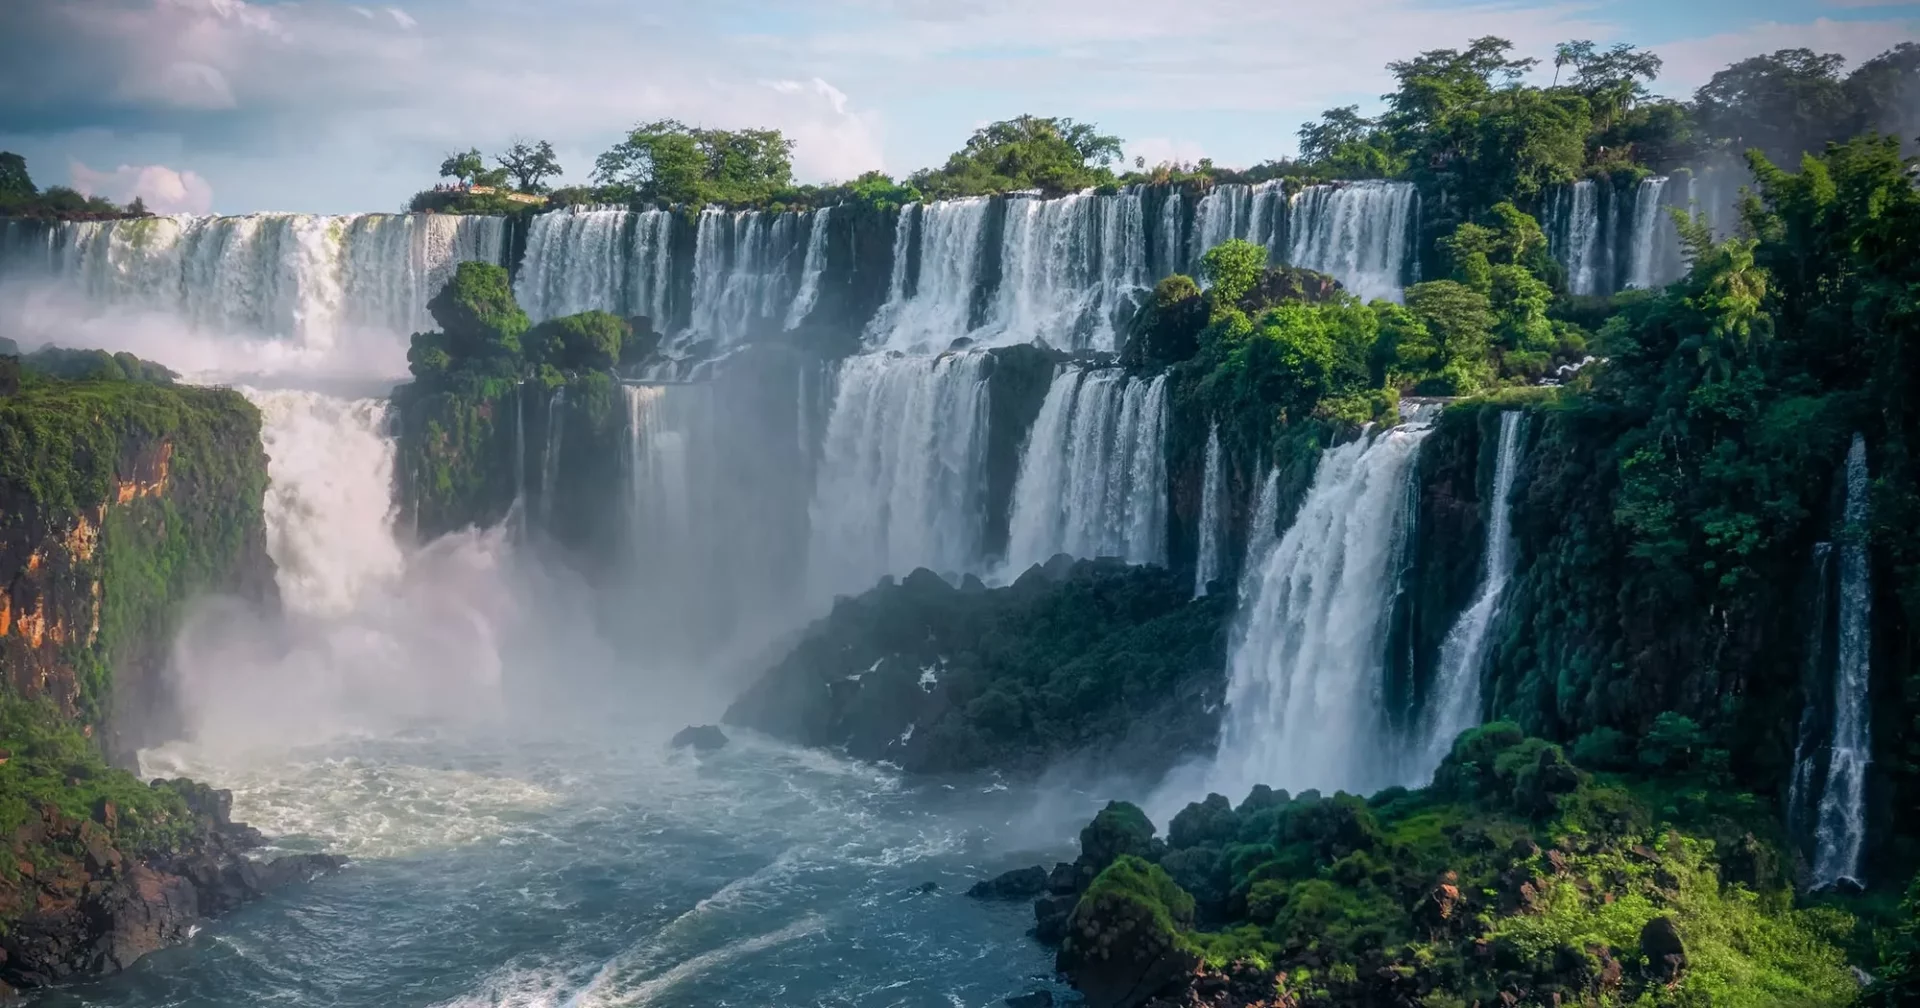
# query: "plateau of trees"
19, 197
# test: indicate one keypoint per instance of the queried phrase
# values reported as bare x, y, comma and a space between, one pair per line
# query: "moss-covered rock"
1092, 656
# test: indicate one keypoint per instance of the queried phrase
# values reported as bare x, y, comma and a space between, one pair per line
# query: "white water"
1842, 827
1360, 233
550, 456
312, 282
597, 260
1653, 241
1231, 211
1070, 270
936, 309
1577, 236
902, 471
1093, 475
1308, 663
1262, 532
743, 271
1206, 567
1453, 699
810, 269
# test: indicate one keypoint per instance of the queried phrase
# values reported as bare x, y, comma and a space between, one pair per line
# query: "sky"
340, 106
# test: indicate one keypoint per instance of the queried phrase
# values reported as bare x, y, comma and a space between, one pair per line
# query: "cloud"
1693, 62
402, 18
163, 189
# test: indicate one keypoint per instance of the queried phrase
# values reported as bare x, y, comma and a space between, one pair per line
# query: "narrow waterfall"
1071, 270
937, 309
810, 269
615, 261
743, 271
1170, 247
1653, 241
299, 278
1252, 213
1842, 817
1307, 668
1576, 236
1810, 744
1093, 477
1453, 698
550, 459
1261, 531
1360, 233
329, 501
1206, 566
902, 470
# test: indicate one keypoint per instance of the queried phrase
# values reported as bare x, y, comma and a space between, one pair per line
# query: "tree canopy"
1027, 152
669, 161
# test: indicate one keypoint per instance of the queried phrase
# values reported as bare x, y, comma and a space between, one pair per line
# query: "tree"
463, 166
588, 341
528, 164
1231, 269
667, 160
1027, 152
15, 183
1612, 80
1785, 104
1884, 94
138, 208
1460, 320
481, 321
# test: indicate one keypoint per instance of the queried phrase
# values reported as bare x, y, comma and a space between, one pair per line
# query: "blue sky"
345, 105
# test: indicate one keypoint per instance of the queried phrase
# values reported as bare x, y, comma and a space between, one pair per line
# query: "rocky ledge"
77, 901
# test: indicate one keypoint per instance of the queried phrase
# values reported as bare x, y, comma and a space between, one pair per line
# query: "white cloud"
1693, 62
402, 18
163, 189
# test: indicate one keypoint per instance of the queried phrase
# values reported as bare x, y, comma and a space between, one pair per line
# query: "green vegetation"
667, 161
51, 764
1054, 156
1515, 874
19, 197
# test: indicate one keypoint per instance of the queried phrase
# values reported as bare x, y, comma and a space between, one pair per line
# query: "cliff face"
119, 502
459, 452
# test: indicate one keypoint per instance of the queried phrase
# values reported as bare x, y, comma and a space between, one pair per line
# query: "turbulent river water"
595, 867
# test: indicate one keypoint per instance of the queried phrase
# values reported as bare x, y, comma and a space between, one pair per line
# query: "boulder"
700, 738
1019, 884
1666, 953
1037, 999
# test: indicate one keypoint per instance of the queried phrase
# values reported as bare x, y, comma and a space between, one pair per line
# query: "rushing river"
563, 872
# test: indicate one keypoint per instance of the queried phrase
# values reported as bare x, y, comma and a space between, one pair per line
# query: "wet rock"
924, 888
1019, 884
1119, 956
1050, 916
700, 738
1037, 999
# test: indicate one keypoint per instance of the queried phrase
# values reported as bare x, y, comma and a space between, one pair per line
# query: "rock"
1037, 999
1119, 956
1067, 879
701, 738
924, 888
1120, 829
1666, 953
1021, 883
1050, 916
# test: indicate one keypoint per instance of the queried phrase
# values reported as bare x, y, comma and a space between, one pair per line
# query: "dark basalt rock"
1119, 956
1037, 999
93, 907
1019, 884
700, 738
1666, 953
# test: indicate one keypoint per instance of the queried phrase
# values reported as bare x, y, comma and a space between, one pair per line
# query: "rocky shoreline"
78, 901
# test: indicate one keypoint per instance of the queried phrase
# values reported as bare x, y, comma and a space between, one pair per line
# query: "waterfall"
1170, 250
329, 501
1453, 699
614, 261
550, 459
810, 269
1261, 533
1809, 745
1237, 210
1654, 241
1842, 814
1308, 663
1070, 270
1576, 237
1206, 567
902, 470
743, 276
299, 278
1357, 232
933, 312
1092, 478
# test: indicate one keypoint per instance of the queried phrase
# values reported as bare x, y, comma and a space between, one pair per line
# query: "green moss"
51, 764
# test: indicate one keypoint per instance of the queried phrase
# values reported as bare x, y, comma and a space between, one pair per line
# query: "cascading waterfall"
1842, 816
1261, 532
810, 269
615, 261
1170, 246
1206, 567
1453, 699
936, 309
1236, 210
1810, 745
1652, 237
1070, 270
743, 271
300, 278
550, 459
901, 471
1308, 663
1575, 234
1092, 479
1360, 233
329, 501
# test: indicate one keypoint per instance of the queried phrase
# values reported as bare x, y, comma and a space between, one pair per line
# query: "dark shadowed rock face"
1019, 884
85, 906
700, 738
